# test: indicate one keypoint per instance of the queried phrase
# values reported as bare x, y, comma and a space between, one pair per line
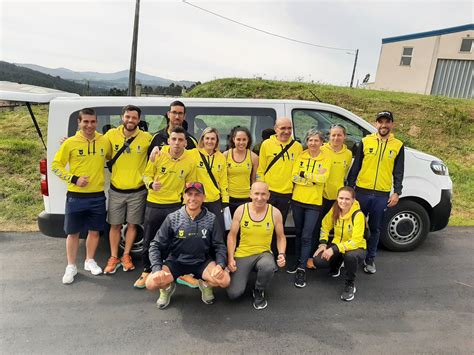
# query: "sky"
180, 42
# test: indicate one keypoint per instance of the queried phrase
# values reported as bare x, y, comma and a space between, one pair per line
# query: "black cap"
384, 114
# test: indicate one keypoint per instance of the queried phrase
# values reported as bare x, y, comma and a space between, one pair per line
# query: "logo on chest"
181, 233
204, 233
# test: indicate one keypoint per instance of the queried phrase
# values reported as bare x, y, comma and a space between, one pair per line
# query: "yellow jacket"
309, 182
347, 236
173, 175
127, 171
218, 165
377, 164
85, 158
278, 177
341, 163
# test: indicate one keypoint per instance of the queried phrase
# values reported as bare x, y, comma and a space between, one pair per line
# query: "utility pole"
133, 59
354, 69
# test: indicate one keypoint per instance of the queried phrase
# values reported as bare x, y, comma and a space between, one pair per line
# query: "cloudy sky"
180, 42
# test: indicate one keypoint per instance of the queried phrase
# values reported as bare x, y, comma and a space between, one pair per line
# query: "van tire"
137, 246
405, 226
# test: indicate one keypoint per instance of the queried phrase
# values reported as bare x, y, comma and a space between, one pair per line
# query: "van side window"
152, 119
304, 119
225, 118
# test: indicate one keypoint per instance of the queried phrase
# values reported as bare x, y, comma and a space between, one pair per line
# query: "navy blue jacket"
188, 242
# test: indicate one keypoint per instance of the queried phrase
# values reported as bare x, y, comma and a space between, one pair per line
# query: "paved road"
418, 302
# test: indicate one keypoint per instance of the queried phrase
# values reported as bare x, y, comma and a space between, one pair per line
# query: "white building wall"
418, 77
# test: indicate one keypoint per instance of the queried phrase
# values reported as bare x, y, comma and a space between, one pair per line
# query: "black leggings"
351, 260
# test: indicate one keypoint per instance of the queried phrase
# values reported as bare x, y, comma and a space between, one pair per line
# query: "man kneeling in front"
188, 236
256, 220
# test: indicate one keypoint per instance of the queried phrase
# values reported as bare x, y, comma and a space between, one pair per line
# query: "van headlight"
439, 168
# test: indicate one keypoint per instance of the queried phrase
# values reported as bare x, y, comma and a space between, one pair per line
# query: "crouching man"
256, 220
188, 236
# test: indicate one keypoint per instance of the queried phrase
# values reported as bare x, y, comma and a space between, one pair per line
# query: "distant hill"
14, 73
106, 80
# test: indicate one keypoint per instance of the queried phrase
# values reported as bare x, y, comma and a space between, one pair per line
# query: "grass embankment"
440, 126
20, 153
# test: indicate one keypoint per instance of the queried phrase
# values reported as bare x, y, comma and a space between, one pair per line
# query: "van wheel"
405, 226
137, 246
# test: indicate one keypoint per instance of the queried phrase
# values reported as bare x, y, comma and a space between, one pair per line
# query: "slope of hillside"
437, 125
14, 73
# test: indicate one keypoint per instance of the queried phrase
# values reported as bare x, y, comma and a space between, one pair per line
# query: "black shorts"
179, 269
83, 214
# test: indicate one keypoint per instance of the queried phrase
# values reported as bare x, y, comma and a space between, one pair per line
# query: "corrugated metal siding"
454, 78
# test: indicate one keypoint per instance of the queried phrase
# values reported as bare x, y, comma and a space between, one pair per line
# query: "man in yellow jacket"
378, 164
127, 193
86, 153
276, 159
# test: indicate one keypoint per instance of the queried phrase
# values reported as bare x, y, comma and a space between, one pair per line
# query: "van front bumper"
51, 225
441, 212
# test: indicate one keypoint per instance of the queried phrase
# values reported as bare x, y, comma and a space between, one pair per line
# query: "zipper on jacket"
382, 151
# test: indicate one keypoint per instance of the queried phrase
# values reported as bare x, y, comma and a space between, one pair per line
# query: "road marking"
462, 283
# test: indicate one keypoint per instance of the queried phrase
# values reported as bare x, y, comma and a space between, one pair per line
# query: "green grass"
441, 126
20, 153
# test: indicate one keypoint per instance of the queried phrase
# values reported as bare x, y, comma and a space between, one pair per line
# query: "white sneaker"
71, 271
91, 265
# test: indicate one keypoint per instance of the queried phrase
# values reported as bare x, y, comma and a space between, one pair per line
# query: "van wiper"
35, 122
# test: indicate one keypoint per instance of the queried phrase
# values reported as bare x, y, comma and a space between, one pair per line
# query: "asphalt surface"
417, 302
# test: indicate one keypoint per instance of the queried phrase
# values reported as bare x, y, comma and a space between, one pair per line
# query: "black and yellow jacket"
85, 158
128, 169
278, 177
341, 162
378, 164
347, 235
173, 175
308, 179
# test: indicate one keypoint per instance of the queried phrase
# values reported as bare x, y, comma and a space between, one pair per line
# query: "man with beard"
176, 116
379, 163
127, 193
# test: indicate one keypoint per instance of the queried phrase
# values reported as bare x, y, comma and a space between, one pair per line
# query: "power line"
267, 32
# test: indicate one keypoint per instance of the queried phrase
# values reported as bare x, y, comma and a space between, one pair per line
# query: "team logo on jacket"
268, 226
139, 149
349, 227
116, 147
301, 163
163, 169
229, 165
81, 152
182, 173
201, 163
248, 166
102, 151
204, 232
246, 223
181, 233
391, 153
371, 150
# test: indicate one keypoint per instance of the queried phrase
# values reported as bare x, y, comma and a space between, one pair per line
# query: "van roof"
11, 91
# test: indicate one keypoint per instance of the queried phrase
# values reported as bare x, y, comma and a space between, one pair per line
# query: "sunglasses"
195, 185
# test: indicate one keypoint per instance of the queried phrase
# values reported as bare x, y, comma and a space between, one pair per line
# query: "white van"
425, 204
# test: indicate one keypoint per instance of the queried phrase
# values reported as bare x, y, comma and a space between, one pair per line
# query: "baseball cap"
194, 185
384, 114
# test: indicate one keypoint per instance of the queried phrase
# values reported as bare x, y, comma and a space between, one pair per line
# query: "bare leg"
130, 237
223, 281
72, 246
114, 239
154, 283
92, 242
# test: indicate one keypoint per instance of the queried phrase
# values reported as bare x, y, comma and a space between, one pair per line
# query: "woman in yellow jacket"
211, 171
310, 172
348, 245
